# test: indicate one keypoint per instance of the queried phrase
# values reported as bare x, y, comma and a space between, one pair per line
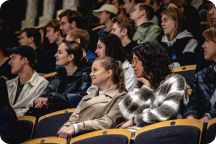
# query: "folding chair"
26, 125
182, 131
47, 140
211, 130
186, 71
49, 124
107, 136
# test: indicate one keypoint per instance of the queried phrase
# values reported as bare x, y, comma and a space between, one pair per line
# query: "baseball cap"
106, 7
25, 51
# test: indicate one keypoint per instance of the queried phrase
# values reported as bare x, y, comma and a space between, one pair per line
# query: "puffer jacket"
75, 87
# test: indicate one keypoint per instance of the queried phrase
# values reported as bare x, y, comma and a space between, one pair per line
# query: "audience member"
28, 85
31, 37
82, 37
147, 30
67, 88
180, 43
70, 19
129, 5
161, 93
110, 45
202, 102
124, 28
99, 109
105, 14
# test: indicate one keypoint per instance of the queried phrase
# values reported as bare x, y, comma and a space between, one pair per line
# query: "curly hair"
155, 61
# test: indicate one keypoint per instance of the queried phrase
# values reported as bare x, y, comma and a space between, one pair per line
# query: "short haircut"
33, 32
81, 34
148, 9
210, 34
55, 24
73, 15
127, 23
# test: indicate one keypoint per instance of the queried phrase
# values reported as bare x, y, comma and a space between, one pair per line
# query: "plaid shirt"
204, 85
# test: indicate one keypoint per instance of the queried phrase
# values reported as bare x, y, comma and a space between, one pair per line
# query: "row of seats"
181, 131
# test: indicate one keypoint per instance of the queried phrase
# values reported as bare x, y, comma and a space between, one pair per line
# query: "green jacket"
148, 31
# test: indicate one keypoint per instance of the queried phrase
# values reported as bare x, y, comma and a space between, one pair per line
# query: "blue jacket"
203, 87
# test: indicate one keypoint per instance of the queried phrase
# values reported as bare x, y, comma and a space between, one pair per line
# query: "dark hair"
155, 61
126, 23
33, 32
113, 46
74, 48
4, 51
4, 100
148, 9
118, 75
73, 15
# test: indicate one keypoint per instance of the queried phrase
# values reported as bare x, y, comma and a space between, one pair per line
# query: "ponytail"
120, 77
116, 67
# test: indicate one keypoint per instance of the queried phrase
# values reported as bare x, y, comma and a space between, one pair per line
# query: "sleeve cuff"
208, 115
76, 128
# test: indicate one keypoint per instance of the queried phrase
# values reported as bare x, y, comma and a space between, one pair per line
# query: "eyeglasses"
135, 61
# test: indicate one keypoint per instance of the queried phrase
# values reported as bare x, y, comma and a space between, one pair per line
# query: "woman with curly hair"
161, 93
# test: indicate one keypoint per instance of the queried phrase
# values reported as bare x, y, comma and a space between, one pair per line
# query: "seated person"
67, 88
161, 93
11, 130
147, 30
82, 37
7, 115
202, 102
179, 43
99, 109
28, 85
110, 45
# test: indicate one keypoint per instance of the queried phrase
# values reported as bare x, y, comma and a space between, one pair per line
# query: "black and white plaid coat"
150, 106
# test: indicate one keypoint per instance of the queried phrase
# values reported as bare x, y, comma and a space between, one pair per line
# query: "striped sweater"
149, 106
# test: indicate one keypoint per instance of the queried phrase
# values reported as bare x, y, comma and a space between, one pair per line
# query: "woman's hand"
144, 81
127, 124
190, 117
40, 102
66, 132
205, 119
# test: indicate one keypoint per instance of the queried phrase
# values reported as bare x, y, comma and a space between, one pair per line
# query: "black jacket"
68, 90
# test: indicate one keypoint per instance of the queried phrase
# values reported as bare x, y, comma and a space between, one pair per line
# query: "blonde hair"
210, 34
81, 34
118, 75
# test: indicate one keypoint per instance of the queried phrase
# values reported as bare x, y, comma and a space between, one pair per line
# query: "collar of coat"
94, 91
32, 81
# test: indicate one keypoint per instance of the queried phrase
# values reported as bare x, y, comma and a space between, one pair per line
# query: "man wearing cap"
28, 85
105, 14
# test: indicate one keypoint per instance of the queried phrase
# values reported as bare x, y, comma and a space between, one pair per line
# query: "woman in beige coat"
99, 109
